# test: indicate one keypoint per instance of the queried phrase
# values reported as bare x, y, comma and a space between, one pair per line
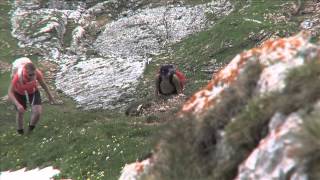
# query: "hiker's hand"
20, 108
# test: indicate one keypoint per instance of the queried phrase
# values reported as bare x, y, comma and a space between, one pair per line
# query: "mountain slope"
99, 143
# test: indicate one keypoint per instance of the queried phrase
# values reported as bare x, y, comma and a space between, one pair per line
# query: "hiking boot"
20, 131
31, 127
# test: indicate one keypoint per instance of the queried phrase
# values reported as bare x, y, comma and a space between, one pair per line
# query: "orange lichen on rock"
270, 52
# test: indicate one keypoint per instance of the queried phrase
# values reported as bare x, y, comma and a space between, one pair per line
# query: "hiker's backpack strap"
20, 77
20, 74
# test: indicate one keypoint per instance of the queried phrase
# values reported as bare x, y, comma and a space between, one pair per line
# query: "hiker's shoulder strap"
20, 74
15, 79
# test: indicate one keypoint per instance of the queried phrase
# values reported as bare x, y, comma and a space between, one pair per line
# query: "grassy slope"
79, 142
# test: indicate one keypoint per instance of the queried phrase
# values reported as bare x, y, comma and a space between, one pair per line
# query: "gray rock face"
102, 71
273, 158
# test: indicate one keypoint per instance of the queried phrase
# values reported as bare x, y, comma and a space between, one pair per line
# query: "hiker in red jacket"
24, 89
169, 81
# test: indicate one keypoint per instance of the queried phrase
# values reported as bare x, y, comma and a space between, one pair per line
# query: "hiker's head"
29, 70
166, 70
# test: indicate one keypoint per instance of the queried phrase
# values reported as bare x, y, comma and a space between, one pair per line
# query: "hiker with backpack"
24, 89
169, 81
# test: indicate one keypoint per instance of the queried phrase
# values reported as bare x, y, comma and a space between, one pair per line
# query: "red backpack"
181, 77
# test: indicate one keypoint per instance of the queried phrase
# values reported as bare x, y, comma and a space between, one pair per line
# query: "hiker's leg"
35, 114
19, 114
36, 109
19, 120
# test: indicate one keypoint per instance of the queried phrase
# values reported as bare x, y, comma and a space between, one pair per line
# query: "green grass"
8, 45
5, 81
82, 144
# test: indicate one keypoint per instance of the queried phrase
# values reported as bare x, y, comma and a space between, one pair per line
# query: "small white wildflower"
107, 158
82, 131
101, 173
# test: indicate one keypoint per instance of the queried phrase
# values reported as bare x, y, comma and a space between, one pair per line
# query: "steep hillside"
105, 55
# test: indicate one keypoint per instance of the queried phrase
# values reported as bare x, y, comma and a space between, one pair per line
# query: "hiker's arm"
14, 100
45, 87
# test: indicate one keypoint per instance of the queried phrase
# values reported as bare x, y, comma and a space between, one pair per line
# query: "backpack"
170, 70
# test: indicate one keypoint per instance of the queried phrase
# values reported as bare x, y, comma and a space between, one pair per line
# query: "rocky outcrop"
276, 55
274, 157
